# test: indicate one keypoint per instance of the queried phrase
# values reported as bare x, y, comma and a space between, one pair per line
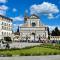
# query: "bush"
27, 54
29, 47
9, 54
45, 53
54, 53
36, 54
5, 55
2, 55
21, 54
50, 53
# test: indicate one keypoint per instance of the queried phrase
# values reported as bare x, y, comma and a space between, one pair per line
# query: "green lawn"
31, 51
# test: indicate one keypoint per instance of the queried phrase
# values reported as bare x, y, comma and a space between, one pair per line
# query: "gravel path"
52, 57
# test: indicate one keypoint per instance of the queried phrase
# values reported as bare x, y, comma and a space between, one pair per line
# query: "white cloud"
15, 26
52, 27
14, 9
3, 9
3, 1
44, 8
50, 16
2, 12
20, 24
19, 18
57, 16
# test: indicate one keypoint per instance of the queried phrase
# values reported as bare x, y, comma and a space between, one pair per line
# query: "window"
5, 24
33, 24
7, 28
2, 33
9, 34
2, 23
5, 33
9, 24
2, 27
10, 29
33, 33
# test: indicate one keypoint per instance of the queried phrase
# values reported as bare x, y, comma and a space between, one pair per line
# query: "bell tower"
25, 16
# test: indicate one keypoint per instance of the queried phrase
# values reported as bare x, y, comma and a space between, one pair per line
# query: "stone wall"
22, 45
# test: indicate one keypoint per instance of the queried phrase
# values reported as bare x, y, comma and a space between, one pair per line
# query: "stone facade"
5, 27
33, 29
54, 37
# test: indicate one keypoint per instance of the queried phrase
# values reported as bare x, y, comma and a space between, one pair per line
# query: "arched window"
33, 24
33, 33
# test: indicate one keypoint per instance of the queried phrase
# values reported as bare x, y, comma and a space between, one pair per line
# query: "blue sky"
47, 10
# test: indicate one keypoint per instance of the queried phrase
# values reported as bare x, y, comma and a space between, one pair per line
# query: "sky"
47, 10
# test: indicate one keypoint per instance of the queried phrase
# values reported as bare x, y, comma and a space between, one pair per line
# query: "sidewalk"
51, 57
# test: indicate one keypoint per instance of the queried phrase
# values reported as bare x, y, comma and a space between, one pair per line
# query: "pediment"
33, 16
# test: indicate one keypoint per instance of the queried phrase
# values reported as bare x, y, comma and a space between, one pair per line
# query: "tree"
48, 30
55, 32
18, 29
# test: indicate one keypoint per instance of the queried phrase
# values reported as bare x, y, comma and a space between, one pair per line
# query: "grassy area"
32, 51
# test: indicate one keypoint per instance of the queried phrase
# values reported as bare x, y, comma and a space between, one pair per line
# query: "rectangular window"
9, 24
5, 24
2, 33
2, 27
2, 23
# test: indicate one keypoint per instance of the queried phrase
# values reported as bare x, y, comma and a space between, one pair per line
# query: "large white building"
33, 29
5, 27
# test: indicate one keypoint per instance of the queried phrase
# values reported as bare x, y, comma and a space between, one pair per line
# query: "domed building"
33, 29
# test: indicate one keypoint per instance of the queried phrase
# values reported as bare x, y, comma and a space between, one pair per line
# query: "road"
52, 57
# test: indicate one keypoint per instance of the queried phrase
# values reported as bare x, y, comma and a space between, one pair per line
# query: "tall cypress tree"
56, 32
48, 30
18, 29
